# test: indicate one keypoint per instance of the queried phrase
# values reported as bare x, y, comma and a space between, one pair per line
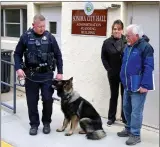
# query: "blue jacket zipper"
126, 68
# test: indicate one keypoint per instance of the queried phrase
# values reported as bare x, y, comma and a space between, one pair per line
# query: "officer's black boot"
46, 129
46, 115
32, 94
33, 130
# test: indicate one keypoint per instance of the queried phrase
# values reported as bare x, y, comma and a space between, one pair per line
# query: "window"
24, 20
2, 29
14, 22
53, 27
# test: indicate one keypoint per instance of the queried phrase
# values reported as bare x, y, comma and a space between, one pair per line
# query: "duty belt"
40, 69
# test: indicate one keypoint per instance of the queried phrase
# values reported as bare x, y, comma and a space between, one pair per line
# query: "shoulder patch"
28, 32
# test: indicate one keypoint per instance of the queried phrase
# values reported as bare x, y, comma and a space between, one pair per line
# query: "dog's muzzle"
54, 87
55, 81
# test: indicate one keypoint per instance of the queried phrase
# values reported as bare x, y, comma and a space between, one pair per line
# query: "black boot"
33, 130
46, 115
110, 122
46, 129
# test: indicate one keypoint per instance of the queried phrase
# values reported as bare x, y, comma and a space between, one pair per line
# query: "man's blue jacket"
138, 65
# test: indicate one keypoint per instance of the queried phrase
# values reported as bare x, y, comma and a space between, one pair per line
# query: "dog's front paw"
68, 134
59, 130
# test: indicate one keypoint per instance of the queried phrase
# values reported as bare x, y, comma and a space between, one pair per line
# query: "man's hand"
142, 90
59, 76
20, 73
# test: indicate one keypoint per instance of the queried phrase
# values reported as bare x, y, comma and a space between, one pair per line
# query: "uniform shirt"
21, 46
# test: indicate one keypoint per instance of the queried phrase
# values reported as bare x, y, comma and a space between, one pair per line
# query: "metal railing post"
14, 92
11, 85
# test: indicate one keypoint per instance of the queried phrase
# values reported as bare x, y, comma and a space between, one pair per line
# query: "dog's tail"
96, 135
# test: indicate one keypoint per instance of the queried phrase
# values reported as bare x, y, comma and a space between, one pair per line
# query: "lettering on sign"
94, 24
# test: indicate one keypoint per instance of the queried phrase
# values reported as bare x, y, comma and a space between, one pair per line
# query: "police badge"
44, 38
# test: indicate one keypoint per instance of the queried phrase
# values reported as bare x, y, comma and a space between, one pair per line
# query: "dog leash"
22, 80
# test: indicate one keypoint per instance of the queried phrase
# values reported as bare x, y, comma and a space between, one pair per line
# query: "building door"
53, 20
147, 15
53, 24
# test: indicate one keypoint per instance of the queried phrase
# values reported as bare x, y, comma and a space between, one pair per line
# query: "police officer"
41, 54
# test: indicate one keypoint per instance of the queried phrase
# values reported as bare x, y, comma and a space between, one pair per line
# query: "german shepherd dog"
78, 110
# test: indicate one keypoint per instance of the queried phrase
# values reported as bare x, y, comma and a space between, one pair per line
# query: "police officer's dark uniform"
41, 54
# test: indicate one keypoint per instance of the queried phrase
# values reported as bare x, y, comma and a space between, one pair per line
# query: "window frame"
4, 20
50, 26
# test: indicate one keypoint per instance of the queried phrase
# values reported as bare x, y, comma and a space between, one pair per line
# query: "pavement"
15, 130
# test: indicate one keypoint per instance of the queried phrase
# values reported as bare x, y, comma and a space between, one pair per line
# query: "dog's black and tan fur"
78, 110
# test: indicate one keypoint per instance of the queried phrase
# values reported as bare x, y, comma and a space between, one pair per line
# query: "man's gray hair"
38, 17
136, 29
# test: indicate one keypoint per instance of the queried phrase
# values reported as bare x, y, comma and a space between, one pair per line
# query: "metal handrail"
14, 89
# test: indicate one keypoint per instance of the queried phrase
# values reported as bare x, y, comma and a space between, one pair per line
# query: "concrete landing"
15, 131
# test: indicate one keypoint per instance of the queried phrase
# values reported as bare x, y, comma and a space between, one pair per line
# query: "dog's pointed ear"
71, 79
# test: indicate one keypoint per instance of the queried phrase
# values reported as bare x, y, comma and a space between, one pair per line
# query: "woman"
111, 56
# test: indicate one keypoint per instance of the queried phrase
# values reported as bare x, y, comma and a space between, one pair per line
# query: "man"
136, 76
111, 56
41, 53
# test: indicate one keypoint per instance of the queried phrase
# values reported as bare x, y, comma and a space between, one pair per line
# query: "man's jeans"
133, 104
